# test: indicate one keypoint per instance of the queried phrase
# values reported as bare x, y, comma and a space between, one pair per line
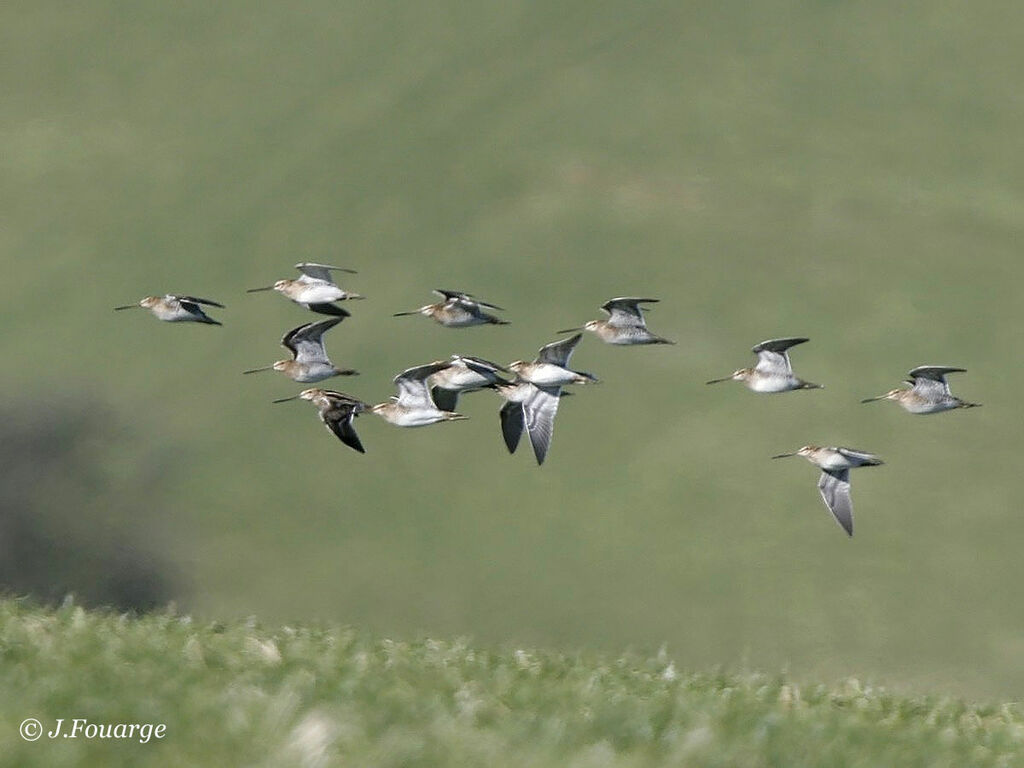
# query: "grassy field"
317, 696
849, 172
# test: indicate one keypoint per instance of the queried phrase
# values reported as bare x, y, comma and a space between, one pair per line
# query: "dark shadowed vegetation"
71, 521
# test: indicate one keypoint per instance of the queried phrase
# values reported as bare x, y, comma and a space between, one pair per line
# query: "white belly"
835, 461
459, 319
321, 293
173, 314
413, 418
771, 383
548, 375
464, 378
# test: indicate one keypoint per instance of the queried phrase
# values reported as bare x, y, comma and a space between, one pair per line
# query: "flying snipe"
457, 310
625, 324
549, 369
413, 406
309, 361
835, 464
336, 410
928, 391
773, 372
314, 289
173, 308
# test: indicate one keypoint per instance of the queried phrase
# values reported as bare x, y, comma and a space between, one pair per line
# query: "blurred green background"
853, 172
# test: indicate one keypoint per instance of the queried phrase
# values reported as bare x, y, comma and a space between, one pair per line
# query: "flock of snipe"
428, 394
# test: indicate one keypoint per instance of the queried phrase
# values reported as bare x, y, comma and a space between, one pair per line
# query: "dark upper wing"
835, 492
558, 352
860, 458
465, 298
338, 418
932, 378
306, 340
772, 355
197, 300
626, 311
320, 271
445, 399
512, 422
778, 345
479, 365
326, 308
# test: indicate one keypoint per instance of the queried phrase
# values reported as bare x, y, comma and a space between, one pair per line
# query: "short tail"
968, 405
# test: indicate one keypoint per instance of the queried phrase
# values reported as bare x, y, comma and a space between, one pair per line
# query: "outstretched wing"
339, 418
412, 384
306, 342
512, 421
197, 300
190, 306
559, 352
464, 298
773, 355
860, 458
626, 312
445, 399
929, 379
479, 365
835, 492
539, 411
320, 271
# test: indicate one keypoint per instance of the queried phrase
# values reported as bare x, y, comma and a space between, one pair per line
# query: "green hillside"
848, 172
299, 695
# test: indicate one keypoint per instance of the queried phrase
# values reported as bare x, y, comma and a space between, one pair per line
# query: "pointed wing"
479, 365
559, 352
412, 384
539, 411
328, 309
835, 492
339, 421
306, 342
859, 458
930, 379
464, 298
512, 421
197, 300
445, 399
773, 357
194, 309
320, 271
626, 312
